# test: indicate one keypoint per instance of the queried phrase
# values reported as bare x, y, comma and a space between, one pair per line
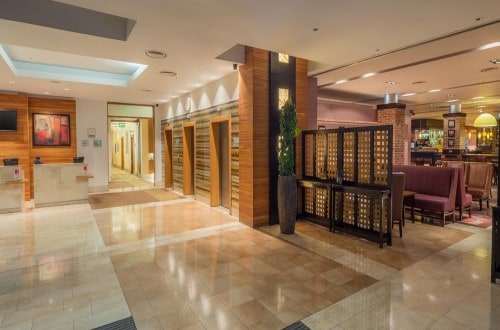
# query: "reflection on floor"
122, 180
180, 264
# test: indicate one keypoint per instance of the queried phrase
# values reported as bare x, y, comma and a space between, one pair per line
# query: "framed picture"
451, 142
51, 130
451, 123
451, 133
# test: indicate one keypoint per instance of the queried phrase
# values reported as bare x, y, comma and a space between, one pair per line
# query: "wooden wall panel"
254, 138
50, 155
16, 144
202, 166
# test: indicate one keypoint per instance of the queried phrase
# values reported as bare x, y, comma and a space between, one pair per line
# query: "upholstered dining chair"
463, 200
397, 190
479, 184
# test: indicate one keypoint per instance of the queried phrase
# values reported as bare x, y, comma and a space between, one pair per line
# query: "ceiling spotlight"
46, 93
419, 82
495, 61
390, 82
235, 66
145, 90
480, 18
55, 82
158, 54
315, 29
168, 73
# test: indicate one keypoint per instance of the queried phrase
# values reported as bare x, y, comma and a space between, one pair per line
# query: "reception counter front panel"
11, 189
59, 184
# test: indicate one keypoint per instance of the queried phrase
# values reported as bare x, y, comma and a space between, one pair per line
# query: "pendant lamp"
485, 120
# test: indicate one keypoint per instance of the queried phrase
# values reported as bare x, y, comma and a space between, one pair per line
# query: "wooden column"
254, 138
394, 114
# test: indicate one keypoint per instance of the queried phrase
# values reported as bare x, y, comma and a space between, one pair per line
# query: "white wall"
93, 114
217, 92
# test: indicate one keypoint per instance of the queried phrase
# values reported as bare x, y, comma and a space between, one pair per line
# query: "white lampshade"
485, 120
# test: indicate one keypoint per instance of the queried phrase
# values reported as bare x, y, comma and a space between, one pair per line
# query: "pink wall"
332, 115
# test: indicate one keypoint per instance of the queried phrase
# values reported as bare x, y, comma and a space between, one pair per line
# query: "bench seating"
435, 189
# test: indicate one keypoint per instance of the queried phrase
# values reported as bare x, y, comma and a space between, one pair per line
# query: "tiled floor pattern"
449, 289
183, 265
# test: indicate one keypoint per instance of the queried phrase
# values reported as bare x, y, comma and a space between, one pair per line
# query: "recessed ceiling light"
168, 73
419, 82
338, 82
434, 90
12, 82
316, 29
454, 100
408, 94
478, 97
158, 54
489, 69
369, 74
480, 18
55, 82
390, 82
495, 61
46, 93
145, 90
482, 106
66, 89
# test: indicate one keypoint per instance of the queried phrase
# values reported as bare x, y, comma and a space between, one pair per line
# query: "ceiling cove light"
491, 45
369, 74
69, 67
434, 90
338, 82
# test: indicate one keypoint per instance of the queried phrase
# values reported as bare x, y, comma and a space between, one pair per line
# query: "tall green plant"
288, 130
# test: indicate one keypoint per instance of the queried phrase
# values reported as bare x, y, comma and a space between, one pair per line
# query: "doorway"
220, 161
168, 158
188, 147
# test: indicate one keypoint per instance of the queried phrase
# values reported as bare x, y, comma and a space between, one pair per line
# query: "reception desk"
11, 189
60, 184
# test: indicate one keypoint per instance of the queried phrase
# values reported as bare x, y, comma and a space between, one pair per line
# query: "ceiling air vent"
168, 73
155, 54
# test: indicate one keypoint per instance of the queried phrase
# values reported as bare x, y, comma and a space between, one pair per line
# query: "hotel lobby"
165, 112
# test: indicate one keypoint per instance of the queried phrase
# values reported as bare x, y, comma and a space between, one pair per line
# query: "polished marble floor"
182, 265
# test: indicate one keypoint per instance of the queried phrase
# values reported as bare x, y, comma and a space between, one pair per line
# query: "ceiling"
437, 42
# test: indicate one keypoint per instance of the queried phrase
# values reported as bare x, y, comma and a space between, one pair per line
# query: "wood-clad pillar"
254, 138
394, 114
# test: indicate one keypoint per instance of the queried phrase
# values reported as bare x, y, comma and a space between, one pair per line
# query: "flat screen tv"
8, 120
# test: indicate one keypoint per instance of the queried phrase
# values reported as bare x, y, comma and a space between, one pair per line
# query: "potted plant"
287, 185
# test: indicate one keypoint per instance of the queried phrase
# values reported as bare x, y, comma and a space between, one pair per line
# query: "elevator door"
224, 159
168, 159
188, 160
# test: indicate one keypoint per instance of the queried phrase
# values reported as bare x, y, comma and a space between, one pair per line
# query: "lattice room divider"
347, 180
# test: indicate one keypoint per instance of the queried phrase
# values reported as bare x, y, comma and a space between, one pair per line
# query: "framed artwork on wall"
451, 142
451, 133
451, 123
51, 130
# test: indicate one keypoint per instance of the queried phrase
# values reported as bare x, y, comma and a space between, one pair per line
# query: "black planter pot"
287, 203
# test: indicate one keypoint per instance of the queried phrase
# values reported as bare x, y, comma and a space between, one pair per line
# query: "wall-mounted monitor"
8, 120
